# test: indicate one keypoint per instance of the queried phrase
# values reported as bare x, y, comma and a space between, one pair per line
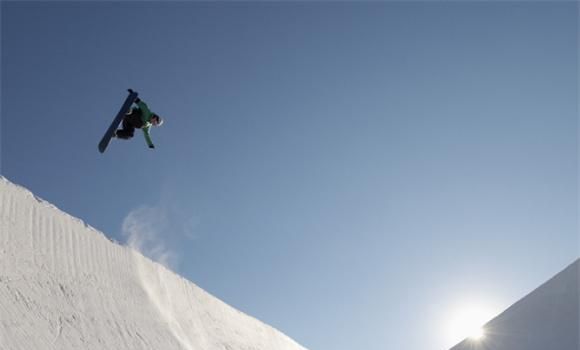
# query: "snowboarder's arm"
148, 136
145, 111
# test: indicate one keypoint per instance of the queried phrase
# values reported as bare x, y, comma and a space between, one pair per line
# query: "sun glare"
467, 322
477, 333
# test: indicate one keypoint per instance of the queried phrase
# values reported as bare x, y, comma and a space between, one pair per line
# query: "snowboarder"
138, 117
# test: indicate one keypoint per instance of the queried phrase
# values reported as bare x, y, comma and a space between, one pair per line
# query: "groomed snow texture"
65, 286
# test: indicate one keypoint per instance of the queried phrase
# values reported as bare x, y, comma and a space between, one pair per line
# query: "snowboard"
115, 124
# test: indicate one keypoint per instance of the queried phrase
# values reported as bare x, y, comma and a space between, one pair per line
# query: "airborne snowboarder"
138, 117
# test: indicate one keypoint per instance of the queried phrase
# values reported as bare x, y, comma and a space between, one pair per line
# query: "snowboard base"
115, 124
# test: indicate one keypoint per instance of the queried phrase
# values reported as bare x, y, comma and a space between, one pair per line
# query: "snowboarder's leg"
127, 132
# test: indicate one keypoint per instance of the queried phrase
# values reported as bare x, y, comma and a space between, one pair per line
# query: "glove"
151, 146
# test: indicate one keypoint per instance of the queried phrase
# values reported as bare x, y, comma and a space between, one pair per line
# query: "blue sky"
346, 172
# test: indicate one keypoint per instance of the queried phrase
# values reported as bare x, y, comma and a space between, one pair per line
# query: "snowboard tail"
115, 124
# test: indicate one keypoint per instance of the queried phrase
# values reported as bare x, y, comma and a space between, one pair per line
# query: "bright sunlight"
467, 321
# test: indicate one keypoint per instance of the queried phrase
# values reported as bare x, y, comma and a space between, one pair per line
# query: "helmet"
160, 122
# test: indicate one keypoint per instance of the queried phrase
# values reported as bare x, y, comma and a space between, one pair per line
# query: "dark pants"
128, 130
130, 123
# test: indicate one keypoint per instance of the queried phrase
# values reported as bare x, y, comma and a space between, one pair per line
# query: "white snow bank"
546, 319
65, 286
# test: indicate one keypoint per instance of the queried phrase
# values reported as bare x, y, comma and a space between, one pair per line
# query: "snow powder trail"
66, 286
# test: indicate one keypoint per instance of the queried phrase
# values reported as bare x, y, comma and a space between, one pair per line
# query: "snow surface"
546, 319
65, 286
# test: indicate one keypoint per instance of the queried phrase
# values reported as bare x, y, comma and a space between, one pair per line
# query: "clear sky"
346, 172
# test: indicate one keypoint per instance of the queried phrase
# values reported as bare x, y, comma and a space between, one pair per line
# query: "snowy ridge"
65, 286
547, 318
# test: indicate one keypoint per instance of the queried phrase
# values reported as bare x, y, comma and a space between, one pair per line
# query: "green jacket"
146, 115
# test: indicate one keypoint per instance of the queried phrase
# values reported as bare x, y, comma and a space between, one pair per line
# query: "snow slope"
65, 286
546, 319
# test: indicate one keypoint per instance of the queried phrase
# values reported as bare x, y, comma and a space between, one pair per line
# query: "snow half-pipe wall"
545, 319
65, 286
